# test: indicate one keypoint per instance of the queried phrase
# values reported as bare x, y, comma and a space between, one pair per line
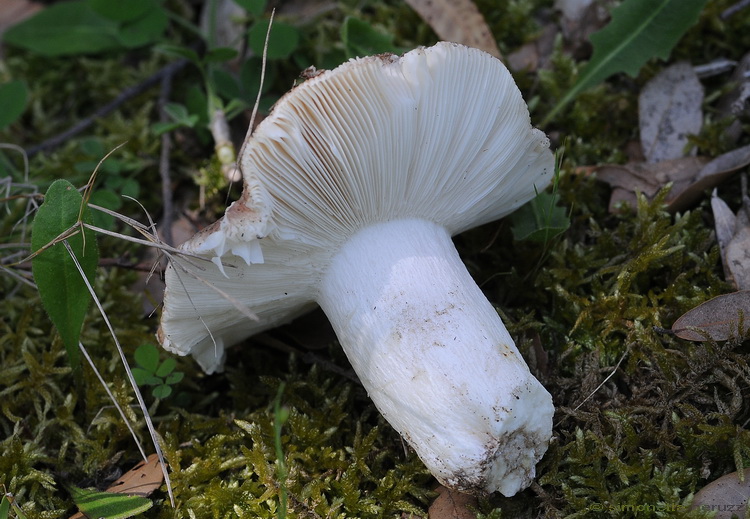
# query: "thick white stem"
435, 357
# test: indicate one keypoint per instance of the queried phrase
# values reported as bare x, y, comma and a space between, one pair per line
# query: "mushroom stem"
435, 357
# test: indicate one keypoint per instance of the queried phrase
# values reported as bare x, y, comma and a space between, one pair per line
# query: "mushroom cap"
440, 134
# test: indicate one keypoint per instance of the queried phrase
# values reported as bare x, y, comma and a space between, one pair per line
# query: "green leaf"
166, 367
174, 378
4, 507
162, 391
254, 7
121, 11
178, 112
13, 96
109, 200
540, 220
639, 30
147, 357
220, 55
144, 30
282, 41
63, 293
178, 51
65, 28
143, 377
361, 39
108, 505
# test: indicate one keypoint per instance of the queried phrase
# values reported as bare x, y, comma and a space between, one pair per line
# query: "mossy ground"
671, 418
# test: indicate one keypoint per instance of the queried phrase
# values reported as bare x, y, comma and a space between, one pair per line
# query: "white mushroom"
353, 187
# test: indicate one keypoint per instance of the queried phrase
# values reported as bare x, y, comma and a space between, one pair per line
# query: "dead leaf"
690, 178
534, 54
458, 21
228, 28
452, 505
726, 496
719, 318
580, 19
712, 174
15, 11
669, 109
648, 178
724, 223
141, 481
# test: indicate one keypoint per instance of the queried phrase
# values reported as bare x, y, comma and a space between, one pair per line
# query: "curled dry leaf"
669, 109
733, 235
720, 318
452, 505
727, 496
724, 223
690, 177
458, 21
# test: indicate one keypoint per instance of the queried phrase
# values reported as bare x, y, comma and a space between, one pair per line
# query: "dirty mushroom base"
353, 186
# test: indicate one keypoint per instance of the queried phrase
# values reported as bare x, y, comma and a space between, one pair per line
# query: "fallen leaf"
142, 480
534, 54
458, 21
669, 109
629, 179
580, 19
16, 11
690, 178
719, 318
452, 505
726, 496
225, 21
712, 174
733, 235
724, 223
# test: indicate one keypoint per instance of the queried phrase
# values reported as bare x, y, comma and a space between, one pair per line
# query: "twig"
125, 95
730, 11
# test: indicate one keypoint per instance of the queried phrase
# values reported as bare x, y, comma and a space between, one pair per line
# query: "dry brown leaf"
647, 178
735, 247
13, 12
726, 496
724, 223
458, 21
141, 481
452, 505
669, 109
690, 177
719, 318
712, 174
534, 54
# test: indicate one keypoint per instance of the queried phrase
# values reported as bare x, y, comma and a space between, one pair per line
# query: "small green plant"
542, 219
90, 27
13, 97
108, 505
151, 372
640, 30
6, 502
62, 289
